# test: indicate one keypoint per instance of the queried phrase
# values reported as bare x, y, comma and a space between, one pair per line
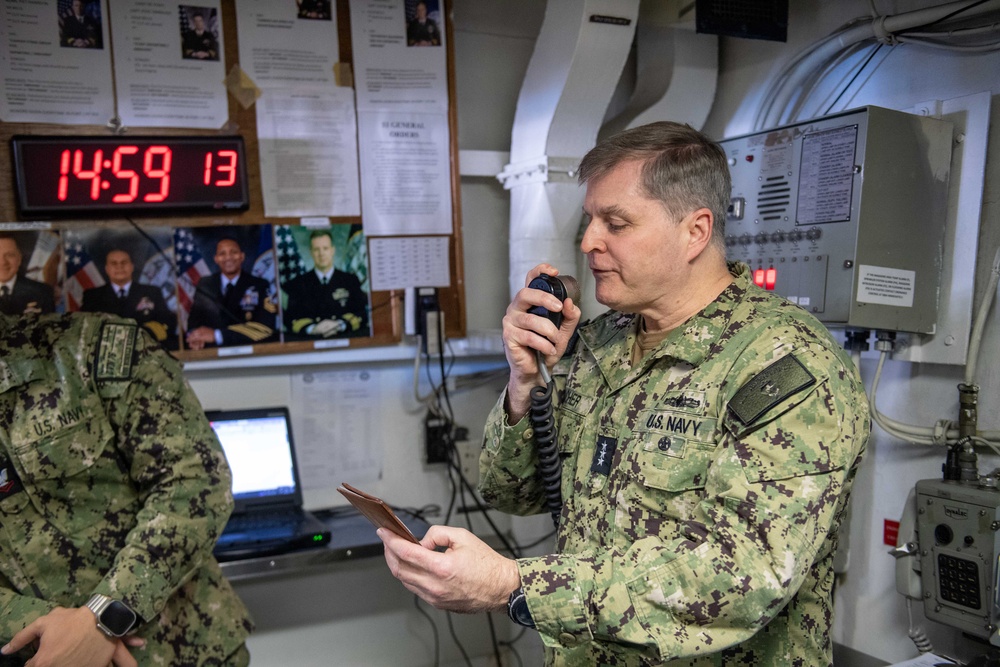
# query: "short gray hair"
683, 168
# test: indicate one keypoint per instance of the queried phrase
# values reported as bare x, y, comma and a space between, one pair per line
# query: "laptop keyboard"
262, 526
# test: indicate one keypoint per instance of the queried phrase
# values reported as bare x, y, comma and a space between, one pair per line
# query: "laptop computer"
268, 517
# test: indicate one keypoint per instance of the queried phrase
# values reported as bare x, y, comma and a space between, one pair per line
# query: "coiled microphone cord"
543, 426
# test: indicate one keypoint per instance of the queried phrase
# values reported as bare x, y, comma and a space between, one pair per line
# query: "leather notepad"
380, 514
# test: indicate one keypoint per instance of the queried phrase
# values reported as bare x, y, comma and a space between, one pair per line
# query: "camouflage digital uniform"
702, 490
111, 481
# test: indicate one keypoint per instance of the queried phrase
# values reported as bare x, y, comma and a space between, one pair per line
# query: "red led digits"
63, 176
93, 175
163, 173
229, 167
89, 175
133, 178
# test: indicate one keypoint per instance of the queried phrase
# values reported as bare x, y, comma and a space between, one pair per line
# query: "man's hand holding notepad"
380, 514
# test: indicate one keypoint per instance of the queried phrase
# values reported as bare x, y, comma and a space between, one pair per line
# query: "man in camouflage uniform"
112, 483
709, 433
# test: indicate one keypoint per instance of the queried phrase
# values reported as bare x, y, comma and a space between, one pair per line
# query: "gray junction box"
845, 215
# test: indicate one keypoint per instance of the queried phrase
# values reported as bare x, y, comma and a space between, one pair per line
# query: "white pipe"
789, 82
977, 330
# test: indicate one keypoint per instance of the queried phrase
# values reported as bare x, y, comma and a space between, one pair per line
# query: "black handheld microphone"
562, 287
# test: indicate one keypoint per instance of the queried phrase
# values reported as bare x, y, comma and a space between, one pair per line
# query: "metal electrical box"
958, 528
845, 215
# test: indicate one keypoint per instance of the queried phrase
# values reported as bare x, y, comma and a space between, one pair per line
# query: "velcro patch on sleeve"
771, 386
115, 351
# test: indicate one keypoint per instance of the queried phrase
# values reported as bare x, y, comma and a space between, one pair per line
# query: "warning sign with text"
889, 287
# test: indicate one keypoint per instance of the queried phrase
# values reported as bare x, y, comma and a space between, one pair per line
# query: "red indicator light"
890, 532
758, 277
770, 277
749, 158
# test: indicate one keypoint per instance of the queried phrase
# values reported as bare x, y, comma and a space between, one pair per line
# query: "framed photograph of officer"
325, 289
30, 272
80, 24
226, 286
126, 273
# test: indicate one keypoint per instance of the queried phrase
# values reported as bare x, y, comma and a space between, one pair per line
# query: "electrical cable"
451, 629
510, 645
438, 402
958, 48
945, 432
789, 83
493, 637
511, 546
543, 538
814, 80
976, 338
958, 11
861, 69
917, 635
434, 629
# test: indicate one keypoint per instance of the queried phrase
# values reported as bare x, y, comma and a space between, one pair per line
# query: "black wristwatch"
114, 617
517, 609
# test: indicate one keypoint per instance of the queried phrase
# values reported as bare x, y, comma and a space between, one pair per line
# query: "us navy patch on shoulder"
115, 351
771, 386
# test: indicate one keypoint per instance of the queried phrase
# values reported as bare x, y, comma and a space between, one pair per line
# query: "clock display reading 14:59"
89, 176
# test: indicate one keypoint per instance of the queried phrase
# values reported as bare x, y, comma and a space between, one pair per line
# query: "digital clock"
91, 176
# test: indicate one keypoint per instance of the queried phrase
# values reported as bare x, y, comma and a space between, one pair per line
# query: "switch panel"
845, 215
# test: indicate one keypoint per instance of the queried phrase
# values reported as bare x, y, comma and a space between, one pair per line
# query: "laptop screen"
258, 446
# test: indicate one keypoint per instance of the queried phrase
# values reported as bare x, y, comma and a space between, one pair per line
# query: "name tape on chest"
771, 386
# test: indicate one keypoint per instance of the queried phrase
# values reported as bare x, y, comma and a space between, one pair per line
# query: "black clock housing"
97, 176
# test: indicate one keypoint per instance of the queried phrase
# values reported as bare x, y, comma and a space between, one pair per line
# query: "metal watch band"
114, 618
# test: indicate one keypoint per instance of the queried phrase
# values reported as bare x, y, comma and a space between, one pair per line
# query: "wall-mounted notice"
826, 176
886, 286
55, 63
308, 152
400, 58
337, 432
406, 177
284, 45
398, 263
169, 64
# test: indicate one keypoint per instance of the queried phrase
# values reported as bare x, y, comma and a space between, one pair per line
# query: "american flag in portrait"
82, 274
191, 266
290, 262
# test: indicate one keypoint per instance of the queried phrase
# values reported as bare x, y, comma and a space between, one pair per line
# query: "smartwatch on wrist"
517, 609
114, 617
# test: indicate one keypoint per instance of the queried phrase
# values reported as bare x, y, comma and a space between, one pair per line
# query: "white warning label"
889, 287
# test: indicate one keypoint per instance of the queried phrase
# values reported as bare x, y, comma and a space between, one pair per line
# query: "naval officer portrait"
231, 306
20, 295
326, 302
124, 296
